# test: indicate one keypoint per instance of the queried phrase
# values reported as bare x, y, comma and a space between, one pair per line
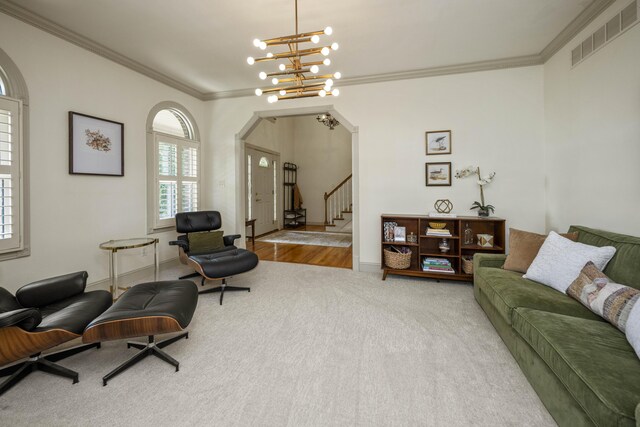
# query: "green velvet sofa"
583, 368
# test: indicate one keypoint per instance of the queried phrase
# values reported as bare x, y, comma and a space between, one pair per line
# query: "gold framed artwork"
438, 142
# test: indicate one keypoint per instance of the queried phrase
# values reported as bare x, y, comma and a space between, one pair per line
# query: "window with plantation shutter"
176, 168
10, 176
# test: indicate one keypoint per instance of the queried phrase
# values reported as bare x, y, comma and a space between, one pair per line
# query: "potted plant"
483, 209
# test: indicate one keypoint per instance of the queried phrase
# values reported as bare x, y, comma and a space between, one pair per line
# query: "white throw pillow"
633, 328
560, 260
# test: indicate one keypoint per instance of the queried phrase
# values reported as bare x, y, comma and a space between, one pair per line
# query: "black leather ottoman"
221, 265
146, 309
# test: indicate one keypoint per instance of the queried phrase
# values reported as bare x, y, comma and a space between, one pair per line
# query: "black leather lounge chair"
221, 263
42, 315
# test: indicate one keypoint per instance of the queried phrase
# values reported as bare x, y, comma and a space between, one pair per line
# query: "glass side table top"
114, 245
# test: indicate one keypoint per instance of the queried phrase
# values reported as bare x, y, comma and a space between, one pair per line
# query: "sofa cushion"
612, 301
523, 248
592, 359
560, 260
623, 267
508, 290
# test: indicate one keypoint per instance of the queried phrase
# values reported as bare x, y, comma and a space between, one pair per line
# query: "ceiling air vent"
576, 55
613, 27
617, 25
599, 38
629, 15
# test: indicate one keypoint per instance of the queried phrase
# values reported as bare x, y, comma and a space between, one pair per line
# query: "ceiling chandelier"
295, 78
328, 120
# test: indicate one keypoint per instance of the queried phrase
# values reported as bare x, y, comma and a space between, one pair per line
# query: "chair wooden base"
36, 362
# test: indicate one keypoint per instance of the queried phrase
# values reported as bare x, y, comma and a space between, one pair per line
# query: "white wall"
323, 157
276, 137
592, 126
72, 214
497, 122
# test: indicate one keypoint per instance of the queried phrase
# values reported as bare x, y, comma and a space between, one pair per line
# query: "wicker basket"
467, 264
396, 260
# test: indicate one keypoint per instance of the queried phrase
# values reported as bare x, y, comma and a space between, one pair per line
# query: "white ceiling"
204, 44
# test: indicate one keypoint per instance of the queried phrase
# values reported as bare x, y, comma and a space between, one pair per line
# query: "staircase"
338, 208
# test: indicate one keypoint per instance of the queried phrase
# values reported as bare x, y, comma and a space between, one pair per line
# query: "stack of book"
437, 265
439, 232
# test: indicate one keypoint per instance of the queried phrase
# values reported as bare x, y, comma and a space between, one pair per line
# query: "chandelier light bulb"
315, 39
314, 69
250, 60
322, 93
262, 46
269, 55
327, 88
262, 75
329, 82
275, 81
256, 42
328, 31
335, 46
258, 92
325, 51
337, 75
282, 67
326, 62
335, 92
283, 92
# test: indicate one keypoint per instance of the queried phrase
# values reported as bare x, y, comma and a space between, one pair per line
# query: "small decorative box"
485, 240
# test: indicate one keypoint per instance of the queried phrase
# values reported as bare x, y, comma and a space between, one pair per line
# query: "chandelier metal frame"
301, 79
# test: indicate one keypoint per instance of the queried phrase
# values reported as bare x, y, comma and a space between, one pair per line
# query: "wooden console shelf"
427, 246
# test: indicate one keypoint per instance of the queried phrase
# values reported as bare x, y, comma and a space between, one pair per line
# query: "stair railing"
337, 201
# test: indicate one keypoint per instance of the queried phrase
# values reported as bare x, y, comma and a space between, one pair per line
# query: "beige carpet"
309, 346
314, 238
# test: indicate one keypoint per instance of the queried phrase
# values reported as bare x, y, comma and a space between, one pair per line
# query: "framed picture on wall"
438, 142
96, 146
438, 174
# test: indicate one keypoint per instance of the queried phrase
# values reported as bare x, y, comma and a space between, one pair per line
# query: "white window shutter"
10, 176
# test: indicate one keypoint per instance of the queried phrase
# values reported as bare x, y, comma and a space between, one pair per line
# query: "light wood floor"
303, 254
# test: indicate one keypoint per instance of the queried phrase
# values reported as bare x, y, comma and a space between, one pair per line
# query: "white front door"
262, 172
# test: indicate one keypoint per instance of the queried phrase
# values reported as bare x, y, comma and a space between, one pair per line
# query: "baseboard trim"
133, 275
369, 267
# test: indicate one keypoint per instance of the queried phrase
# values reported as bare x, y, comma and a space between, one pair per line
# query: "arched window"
14, 101
174, 168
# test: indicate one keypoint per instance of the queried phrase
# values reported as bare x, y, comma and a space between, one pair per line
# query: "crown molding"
594, 9
471, 67
235, 93
591, 12
44, 24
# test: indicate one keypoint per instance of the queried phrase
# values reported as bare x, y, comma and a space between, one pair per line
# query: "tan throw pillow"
205, 241
523, 248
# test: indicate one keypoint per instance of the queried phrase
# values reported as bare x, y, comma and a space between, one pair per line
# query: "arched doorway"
241, 174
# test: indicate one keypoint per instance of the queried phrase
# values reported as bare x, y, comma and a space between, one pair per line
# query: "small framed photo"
438, 174
96, 146
439, 142
400, 234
